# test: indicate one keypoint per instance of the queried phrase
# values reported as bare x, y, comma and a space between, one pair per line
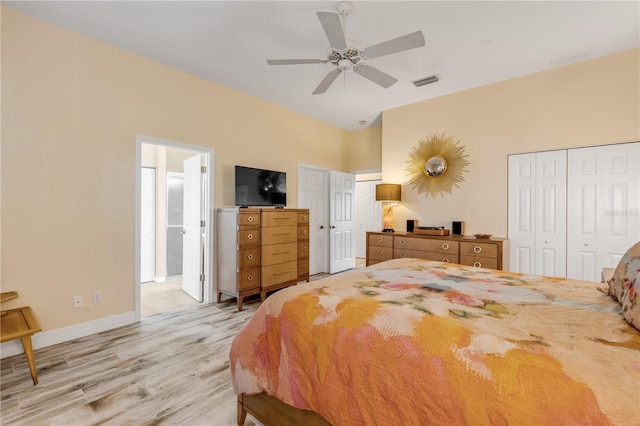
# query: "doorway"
183, 249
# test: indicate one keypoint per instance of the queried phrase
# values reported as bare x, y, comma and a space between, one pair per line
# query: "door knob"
321, 226
332, 227
184, 232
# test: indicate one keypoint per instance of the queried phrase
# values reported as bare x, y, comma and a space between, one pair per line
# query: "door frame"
208, 206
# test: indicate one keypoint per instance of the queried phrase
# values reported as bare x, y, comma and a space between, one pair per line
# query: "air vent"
426, 80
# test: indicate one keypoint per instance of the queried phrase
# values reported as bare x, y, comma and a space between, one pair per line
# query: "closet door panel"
551, 213
621, 198
603, 219
521, 225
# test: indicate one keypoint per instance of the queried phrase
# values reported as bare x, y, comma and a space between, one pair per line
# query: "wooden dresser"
479, 252
261, 250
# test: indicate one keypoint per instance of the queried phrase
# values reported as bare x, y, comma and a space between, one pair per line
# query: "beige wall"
589, 103
71, 110
364, 149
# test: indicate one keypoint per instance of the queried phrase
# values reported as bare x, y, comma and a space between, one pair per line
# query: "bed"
410, 342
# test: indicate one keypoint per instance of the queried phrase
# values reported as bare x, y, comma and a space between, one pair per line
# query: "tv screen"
259, 187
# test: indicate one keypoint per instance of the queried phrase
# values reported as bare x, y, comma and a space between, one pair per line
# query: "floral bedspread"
411, 342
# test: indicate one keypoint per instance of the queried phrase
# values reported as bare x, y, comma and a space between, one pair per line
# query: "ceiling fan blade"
295, 61
327, 81
399, 44
333, 29
375, 75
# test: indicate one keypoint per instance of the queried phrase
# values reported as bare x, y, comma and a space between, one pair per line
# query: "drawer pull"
282, 272
477, 249
379, 239
402, 255
403, 242
250, 219
446, 260
445, 246
304, 217
379, 252
250, 257
250, 237
304, 232
477, 264
250, 278
304, 249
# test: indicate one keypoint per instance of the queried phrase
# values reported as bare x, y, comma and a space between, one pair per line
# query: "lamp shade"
388, 192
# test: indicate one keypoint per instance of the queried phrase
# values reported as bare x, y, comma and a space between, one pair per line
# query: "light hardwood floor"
171, 368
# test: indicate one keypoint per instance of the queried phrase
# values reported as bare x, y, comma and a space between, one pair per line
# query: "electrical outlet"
77, 301
97, 296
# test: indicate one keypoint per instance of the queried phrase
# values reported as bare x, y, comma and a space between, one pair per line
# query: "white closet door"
604, 196
521, 223
537, 213
551, 213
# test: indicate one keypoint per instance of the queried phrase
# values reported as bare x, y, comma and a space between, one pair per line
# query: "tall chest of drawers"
482, 253
261, 250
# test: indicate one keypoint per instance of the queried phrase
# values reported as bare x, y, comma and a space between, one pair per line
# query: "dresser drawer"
303, 217
279, 218
303, 232
248, 237
479, 249
479, 262
379, 254
303, 248
276, 274
279, 253
303, 267
438, 246
400, 253
279, 234
249, 257
381, 240
248, 219
248, 279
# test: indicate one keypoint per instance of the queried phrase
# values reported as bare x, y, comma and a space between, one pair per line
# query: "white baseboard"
53, 337
160, 279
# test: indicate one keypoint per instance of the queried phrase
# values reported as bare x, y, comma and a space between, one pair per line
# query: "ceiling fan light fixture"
427, 80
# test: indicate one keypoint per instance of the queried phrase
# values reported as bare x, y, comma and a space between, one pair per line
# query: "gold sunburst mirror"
436, 165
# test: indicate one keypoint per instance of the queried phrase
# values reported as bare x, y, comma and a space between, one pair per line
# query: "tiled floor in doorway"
156, 297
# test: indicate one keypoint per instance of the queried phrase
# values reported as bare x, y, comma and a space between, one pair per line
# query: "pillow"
625, 285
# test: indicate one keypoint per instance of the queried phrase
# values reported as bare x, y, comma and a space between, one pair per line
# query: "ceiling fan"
344, 57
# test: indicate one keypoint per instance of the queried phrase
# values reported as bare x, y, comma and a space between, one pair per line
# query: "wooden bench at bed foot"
271, 411
20, 323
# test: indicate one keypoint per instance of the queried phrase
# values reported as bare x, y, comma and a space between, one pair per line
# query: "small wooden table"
21, 323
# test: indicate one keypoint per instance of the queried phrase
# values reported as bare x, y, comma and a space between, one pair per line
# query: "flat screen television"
260, 187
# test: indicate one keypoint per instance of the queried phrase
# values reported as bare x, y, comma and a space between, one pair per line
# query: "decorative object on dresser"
457, 228
411, 225
436, 165
390, 194
482, 253
261, 250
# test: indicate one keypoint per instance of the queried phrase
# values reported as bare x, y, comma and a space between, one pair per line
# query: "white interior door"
313, 193
368, 214
522, 201
537, 213
147, 224
192, 237
604, 201
551, 213
341, 221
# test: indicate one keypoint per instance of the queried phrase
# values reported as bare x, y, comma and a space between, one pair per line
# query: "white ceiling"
468, 44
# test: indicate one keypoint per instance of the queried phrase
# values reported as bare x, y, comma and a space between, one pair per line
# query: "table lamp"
389, 194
